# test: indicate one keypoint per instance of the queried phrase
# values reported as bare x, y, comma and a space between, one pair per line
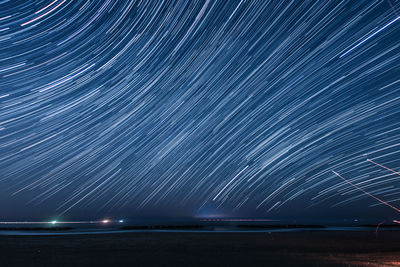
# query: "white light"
53, 222
105, 221
121, 221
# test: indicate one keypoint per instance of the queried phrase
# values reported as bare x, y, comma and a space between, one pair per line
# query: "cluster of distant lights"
54, 222
106, 221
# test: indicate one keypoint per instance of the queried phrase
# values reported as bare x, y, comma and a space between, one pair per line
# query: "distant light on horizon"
237, 220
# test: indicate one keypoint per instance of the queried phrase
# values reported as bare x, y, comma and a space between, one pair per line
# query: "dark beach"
302, 248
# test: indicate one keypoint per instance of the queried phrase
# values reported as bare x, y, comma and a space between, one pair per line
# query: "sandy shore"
319, 248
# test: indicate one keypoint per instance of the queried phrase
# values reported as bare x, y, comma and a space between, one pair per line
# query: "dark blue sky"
199, 108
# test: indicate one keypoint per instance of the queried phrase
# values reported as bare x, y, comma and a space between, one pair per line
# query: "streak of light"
365, 192
377, 227
44, 14
222, 190
398, 173
369, 37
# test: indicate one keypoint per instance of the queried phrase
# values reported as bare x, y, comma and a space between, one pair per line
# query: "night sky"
199, 108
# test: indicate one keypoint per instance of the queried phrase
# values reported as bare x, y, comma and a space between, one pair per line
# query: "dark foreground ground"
204, 249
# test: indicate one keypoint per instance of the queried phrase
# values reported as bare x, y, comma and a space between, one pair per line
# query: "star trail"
188, 107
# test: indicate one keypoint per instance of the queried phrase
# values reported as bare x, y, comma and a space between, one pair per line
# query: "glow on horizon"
237, 220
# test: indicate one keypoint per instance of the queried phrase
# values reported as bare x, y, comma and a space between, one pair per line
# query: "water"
89, 230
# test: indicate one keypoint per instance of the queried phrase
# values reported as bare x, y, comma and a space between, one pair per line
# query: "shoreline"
65, 231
